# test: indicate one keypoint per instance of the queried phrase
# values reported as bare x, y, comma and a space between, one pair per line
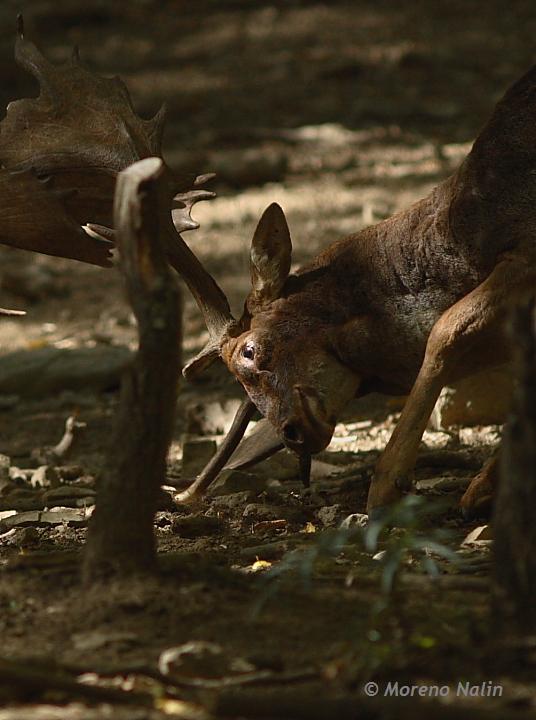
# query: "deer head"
285, 359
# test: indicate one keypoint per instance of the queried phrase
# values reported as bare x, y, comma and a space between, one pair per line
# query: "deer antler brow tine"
29, 57
210, 472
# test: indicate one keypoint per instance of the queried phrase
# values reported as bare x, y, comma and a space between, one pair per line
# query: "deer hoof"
478, 498
479, 508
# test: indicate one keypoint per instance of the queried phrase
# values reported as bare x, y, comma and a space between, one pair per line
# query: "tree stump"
121, 537
514, 522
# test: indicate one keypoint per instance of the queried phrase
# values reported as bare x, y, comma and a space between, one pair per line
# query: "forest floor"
344, 113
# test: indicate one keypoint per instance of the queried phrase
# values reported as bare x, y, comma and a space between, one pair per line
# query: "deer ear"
271, 250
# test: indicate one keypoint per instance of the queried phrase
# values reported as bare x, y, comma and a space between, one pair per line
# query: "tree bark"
120, 537
515, 507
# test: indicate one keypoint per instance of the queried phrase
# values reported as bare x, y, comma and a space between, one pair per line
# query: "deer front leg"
467, 338
398, 458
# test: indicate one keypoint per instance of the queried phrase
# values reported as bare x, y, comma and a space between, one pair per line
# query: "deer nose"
293, 435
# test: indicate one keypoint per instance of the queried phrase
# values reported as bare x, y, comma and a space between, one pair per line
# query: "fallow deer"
403, 307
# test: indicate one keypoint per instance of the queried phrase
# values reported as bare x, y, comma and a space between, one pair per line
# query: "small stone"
442, 484
356, 520
91, 641
269, 527
29, 537
65, 516
329, 515
58, 516
45, 476
196, 452
194, 526
258, 512
6, 514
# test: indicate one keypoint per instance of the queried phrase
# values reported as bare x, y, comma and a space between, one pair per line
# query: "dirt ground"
343, 112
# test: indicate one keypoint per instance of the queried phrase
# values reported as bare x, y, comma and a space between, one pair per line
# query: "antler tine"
208, 295
202, 179
29, 57
211, 471
235, 452
182, 208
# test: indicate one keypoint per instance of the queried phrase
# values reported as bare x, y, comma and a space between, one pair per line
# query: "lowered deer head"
287, 357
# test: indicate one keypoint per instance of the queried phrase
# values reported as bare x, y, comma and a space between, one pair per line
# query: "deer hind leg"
468, 337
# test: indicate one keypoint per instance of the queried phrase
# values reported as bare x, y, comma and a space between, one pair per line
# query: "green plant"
402, 533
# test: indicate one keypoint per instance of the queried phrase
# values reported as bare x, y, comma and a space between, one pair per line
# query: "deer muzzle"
308, 430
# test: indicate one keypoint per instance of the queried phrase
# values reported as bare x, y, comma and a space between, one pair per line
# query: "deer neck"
380, 291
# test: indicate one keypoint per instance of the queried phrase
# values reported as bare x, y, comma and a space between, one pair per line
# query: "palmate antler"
60, 154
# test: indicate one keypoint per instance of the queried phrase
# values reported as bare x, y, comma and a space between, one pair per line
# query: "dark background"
230, 68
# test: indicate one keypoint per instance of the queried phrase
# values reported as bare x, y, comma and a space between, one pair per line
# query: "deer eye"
248, 351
